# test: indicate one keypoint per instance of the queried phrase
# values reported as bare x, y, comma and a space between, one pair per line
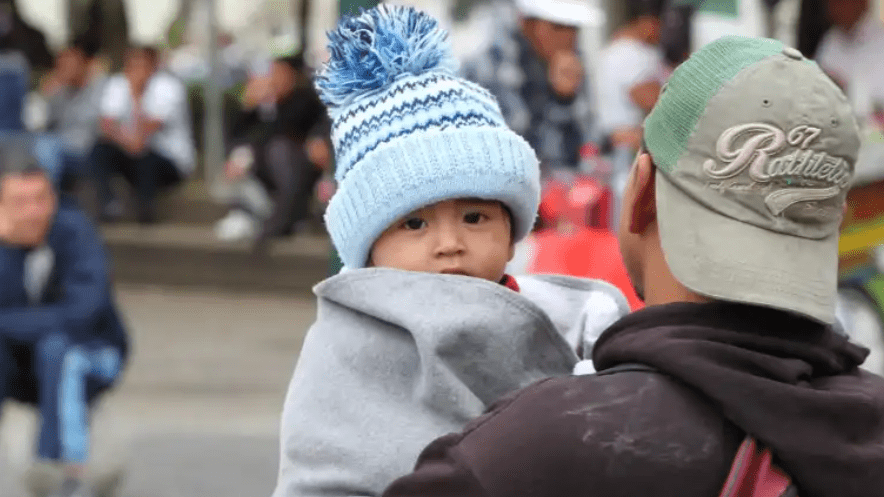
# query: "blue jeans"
147, 174
62, 379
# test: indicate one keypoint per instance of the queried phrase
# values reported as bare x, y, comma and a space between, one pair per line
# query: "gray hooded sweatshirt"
397, 359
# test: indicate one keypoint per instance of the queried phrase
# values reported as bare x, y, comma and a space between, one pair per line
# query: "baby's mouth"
460, 272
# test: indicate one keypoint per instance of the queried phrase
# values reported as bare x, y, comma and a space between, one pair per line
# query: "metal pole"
213, 153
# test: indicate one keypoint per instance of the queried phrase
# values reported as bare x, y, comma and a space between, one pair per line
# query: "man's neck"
661, 286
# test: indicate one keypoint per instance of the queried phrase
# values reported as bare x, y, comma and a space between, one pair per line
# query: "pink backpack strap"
753, 474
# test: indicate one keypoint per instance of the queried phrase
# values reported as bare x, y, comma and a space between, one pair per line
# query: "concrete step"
189, 255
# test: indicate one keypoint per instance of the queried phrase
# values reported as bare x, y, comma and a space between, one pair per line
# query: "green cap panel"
685, 96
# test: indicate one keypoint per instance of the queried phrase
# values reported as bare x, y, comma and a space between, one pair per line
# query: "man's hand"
318, 153
258, 90
627, 137
565, 74
238, 164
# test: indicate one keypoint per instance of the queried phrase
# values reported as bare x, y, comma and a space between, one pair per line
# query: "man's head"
139, 65
285, 74
409, 133
740, 190
27, 198
471, 237
645, 18
72, 63
845, 14
551, 25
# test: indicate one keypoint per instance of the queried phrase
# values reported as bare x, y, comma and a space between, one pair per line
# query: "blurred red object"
585, 252
576, 235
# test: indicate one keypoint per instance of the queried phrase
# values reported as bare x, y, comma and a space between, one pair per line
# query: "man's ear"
644, 208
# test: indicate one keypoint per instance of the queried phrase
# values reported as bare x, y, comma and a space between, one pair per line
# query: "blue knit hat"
409, 133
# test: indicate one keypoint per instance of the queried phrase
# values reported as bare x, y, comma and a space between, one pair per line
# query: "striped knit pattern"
692, 85
416, 103
408, 139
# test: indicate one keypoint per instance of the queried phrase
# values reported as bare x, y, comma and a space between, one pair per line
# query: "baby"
424, 329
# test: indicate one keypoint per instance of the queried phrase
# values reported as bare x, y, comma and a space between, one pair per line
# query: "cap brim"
725, 259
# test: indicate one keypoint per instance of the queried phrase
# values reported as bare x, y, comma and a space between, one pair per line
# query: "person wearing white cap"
630, 74
535, 72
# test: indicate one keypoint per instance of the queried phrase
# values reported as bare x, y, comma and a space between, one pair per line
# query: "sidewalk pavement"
203, 391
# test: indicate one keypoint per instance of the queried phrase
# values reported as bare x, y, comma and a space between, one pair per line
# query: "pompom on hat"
409, 133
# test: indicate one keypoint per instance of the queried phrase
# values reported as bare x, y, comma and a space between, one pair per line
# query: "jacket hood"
793, 384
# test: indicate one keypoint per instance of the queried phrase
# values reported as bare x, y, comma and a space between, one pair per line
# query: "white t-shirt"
165, 100
624, 64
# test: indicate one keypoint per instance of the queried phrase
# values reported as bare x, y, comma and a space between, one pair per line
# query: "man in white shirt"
630, 72
146, 134
852, 52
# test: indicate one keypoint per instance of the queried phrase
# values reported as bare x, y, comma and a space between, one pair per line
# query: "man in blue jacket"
62, 342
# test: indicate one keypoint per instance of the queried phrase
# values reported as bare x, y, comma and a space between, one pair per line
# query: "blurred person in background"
630, 74
281, 140
62, 343
74, 89
851, 53
25, 38
145, 134
535, 71
15, 75
630, 71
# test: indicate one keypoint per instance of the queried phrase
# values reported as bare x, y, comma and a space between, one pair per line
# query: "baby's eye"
414, 223
474, 218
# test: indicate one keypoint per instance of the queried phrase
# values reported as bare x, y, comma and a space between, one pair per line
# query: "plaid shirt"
555, 128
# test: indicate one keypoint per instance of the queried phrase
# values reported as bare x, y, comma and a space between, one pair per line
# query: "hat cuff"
404, 175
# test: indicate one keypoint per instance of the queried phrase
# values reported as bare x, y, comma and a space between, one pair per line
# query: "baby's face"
465, 236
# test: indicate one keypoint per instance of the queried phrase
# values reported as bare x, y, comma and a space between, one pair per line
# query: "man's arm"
645, 95
84, 282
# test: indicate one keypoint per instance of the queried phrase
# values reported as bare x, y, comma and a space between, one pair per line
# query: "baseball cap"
576, 13
755, 149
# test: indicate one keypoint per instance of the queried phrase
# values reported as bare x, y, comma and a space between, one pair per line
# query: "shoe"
238, 225
74, 488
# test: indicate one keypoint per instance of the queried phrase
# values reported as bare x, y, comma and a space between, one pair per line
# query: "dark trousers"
62, 380
283, 169
148, 174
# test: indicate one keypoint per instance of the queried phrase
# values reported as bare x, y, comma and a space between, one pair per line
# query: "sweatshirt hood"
793, 384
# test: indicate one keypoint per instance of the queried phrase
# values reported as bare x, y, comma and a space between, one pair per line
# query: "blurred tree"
352, 6
104, 22
460, 9
177, 33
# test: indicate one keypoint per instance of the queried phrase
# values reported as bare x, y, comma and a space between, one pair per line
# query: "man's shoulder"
71, 224
634, 421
